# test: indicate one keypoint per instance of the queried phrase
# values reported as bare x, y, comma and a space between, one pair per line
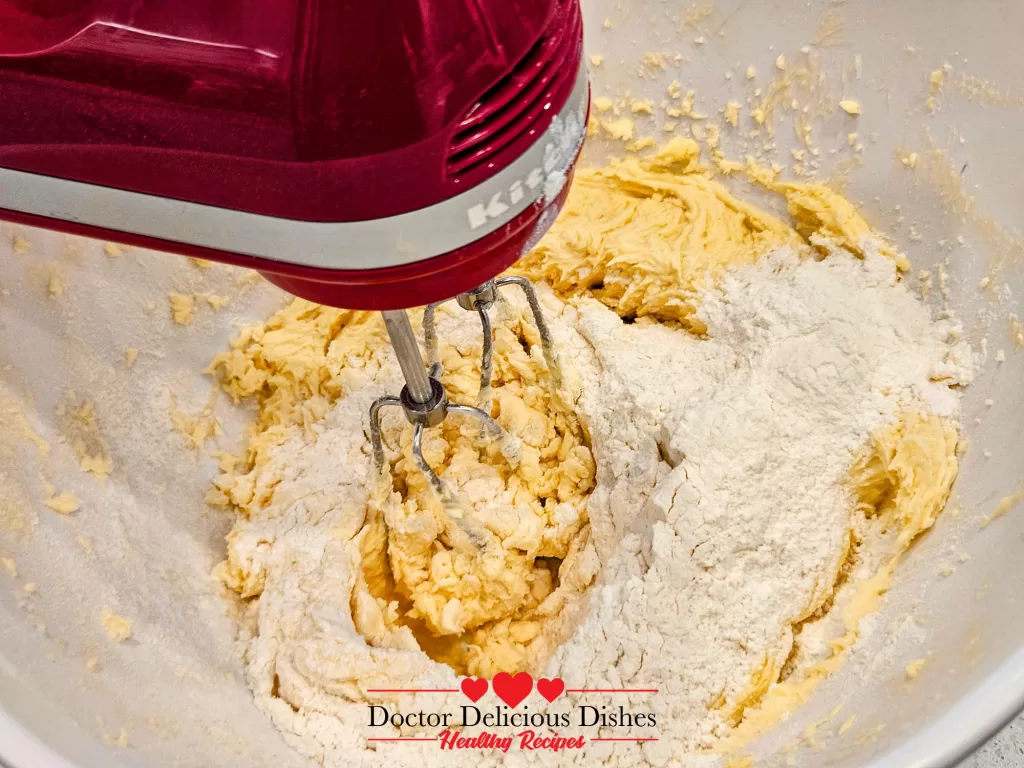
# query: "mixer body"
366, 155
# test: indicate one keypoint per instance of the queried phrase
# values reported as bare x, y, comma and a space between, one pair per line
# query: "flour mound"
745, 535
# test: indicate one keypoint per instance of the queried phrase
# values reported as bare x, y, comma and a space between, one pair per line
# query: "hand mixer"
368, 155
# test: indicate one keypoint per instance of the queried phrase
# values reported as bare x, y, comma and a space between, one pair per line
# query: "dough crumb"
121, 740
81, 430
697, 13
200, 263
751, 73
1016, 331
9, 566
686, 107
597, 60
198, 429
713, 137
97, 466
71, 251
21, 245
732, 114
602, 104
112, 250
914, 668
1000, 356
909, 160
56, 285
29, 588
654, 60
850, 106
182, 307
247, 280
621, 129
847, 724
130, 355
216, 302
607, 24
85, 543
1005, 505
64, 503
935, 83
117, 627
92, 664
780, 63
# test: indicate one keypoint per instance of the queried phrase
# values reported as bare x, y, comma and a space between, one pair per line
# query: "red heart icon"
512, 689
550, 689
474, 688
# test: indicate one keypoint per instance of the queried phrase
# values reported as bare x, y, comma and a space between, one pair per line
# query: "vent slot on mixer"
520, 104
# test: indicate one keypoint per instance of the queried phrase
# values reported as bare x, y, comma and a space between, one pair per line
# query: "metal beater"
423, 398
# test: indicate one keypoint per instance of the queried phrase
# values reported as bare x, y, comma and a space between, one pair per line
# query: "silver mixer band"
387, 242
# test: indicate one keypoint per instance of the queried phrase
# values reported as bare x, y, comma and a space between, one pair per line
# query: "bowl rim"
975, 718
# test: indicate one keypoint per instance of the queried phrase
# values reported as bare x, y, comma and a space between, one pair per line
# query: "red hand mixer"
371, 155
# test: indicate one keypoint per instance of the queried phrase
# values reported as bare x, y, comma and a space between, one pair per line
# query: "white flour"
719, 520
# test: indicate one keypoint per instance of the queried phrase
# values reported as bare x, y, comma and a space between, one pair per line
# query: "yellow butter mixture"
475, 607
645, 235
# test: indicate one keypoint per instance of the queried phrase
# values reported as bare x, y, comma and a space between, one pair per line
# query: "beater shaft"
423, 398
407, 350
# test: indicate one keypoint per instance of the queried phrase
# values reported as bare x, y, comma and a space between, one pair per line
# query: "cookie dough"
475, 606
647, 239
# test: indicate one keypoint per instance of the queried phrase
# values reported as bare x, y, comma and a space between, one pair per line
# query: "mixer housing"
367, 155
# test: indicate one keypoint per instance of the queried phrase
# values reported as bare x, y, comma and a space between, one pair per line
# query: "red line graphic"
638, 738
405, 739
611, 690
412, 690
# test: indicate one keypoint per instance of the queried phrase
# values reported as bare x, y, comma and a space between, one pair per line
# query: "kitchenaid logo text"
480, 214
516, 726
567, 135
